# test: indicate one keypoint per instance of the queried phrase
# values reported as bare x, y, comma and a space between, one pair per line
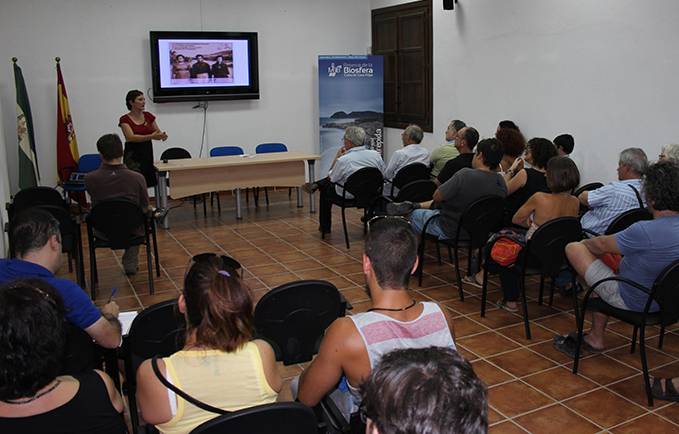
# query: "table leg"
299, 197
162, 193
312, 178
239, 215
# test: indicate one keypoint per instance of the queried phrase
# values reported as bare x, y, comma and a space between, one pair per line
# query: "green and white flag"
28, 160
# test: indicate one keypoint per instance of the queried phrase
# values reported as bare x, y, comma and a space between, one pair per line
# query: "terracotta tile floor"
531, 388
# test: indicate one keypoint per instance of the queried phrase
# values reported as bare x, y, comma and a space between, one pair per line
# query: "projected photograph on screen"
204, 66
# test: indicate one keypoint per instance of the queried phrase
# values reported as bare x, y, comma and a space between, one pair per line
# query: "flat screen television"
199, 66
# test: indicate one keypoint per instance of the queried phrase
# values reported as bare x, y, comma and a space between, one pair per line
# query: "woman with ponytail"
220, 366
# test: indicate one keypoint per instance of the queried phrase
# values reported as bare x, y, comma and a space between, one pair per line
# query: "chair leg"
344, 225
266, 195
484, 291
581, 325
458, 275
576, 309
205, 204
469, 260
552, 284
149, 265
420, 267
450, 254
255, 195
219, 205
93, 273
155, 248
526, 323
644, 364
661, 338
542, 288
634, 339
438, 251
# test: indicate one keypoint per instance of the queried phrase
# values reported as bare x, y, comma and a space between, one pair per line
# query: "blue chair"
87, 163
266, 148
222, 151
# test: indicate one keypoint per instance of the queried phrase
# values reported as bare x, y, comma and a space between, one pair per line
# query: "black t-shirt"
452, 166
90, 411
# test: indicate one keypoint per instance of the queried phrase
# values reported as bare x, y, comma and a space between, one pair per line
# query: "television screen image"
204, 66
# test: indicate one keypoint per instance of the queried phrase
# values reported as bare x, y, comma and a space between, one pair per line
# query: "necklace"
389, 309
34, 397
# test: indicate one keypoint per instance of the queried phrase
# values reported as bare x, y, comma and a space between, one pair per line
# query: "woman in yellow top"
219, 365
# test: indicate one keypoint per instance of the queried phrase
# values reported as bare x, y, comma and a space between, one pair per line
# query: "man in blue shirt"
37, 242
647, 248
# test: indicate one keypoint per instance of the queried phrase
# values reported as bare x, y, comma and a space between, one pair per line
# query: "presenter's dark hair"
661, 185
32, 337
131, 96
428, 390
492, 151
565, 142
219, 306
562, 174
31, 230
110, 147
542, 151
391, 246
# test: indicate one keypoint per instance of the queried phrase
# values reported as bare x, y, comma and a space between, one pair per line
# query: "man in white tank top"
353, 345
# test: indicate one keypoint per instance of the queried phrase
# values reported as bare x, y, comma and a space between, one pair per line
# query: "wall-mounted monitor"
199, 66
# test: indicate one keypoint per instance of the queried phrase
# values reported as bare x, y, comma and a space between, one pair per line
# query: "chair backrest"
221, 151
665, 292
421, 190
293, 318
587, 187
175, 154
365, 185
480, 219
35, 196
67, 226
89, 162
118, 220
627, 219
278, 418
265, 148
409, 173
158, 330
548, 244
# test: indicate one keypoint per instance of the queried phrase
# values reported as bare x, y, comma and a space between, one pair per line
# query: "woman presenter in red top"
140, 128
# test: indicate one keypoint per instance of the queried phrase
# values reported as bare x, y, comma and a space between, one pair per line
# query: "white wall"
105, 52
605, 71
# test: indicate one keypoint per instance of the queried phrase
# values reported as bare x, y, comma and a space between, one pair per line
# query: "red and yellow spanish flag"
67, 145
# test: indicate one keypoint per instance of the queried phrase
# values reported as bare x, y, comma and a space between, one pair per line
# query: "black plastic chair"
180, 154
421, 190
587, 187
49, 199
407, 174
477, 222
119, 224
277, 418
627, 219
545, 255
664, 293
366, 186
158, 330
293, 318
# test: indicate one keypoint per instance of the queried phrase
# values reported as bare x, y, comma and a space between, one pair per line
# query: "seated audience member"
523, 182
647, 247
353, 345
446, 152
507, 124
609, 201
514, 145
458, 193
34, 398
113, 180
429, 390
352, 156
412, 152
564, 144
37, 242
562, 176
669, 152
220, 364
466, 140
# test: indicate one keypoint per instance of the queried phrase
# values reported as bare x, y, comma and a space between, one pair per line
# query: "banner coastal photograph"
350, 93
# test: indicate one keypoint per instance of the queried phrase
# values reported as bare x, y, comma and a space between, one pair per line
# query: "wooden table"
191, 176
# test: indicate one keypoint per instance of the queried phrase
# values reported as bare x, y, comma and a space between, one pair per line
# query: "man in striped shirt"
353, 345
609, 201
